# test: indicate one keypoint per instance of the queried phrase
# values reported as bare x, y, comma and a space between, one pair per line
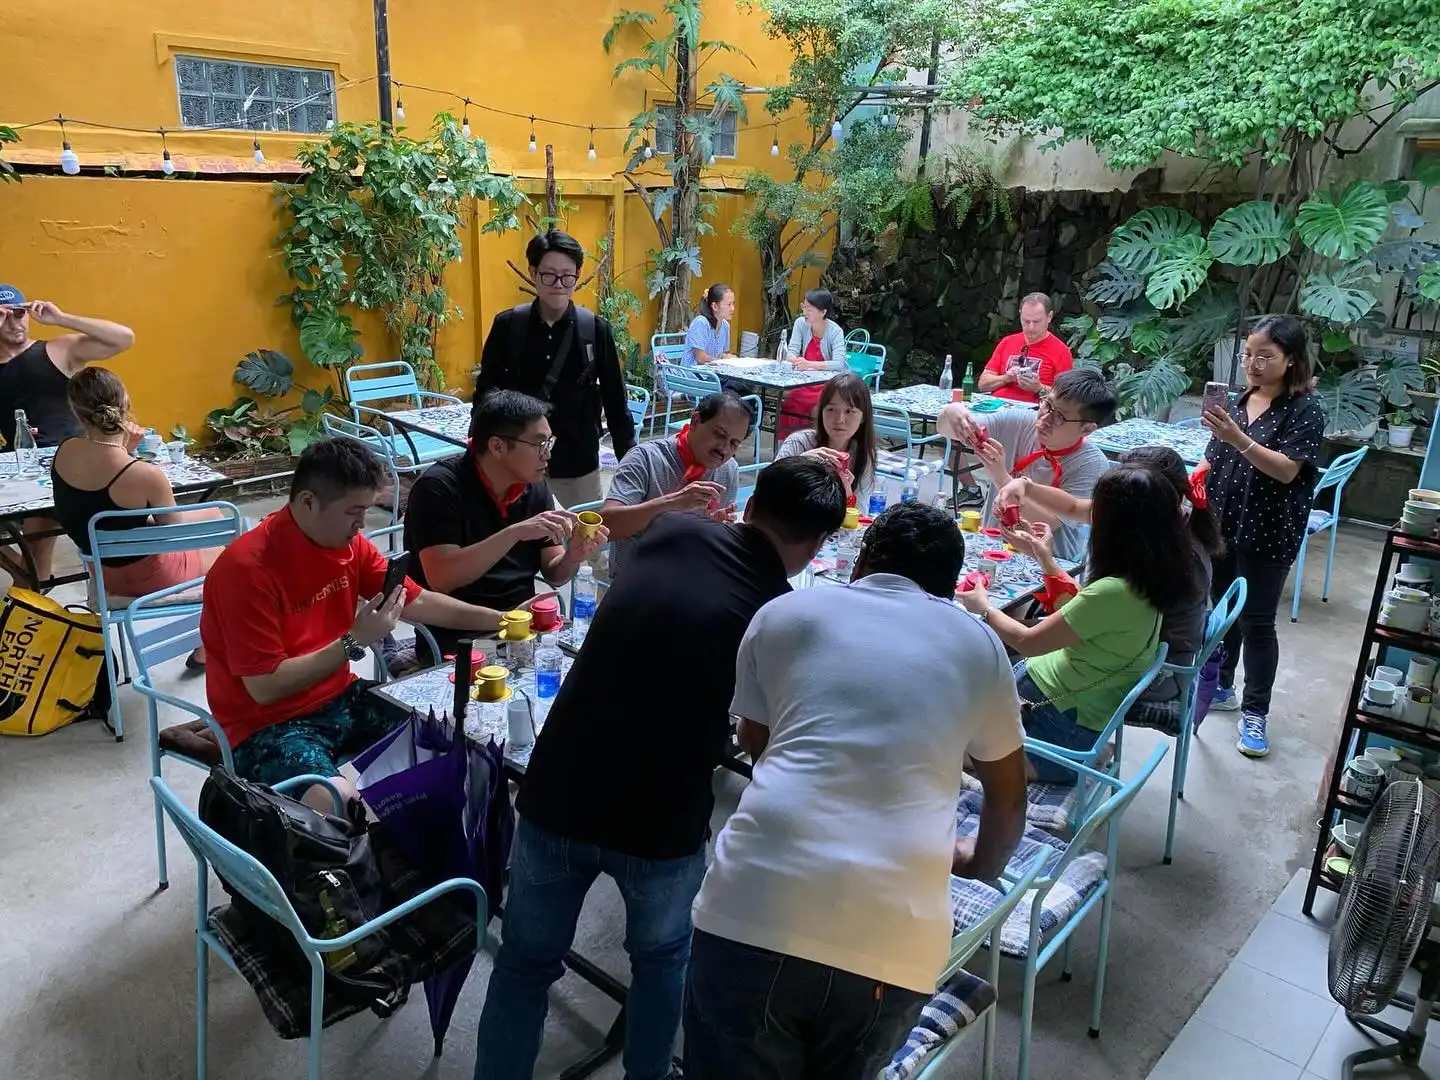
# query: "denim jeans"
753, 1014
1050, 725
549, 877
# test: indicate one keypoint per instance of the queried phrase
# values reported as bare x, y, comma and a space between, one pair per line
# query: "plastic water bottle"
910, 490
782, 354
582, 605
547, 672
877, 503
26, 454
947, 377
847, 546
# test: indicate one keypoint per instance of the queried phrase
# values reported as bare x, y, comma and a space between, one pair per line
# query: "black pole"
382, 60
925, 119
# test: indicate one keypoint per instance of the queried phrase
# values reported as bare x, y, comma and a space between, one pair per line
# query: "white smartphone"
1217, 394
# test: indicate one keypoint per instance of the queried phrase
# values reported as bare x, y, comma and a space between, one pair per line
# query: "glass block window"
258, 97
723, 144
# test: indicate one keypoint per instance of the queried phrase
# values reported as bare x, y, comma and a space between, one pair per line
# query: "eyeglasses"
564, 281
543, 445
1047, 405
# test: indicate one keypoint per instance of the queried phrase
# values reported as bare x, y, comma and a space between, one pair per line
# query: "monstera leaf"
1350, 400
1149, 338
1115, 285
1341, 297
1396, 376
1251, 234
1154, 388
1408, 254
1205, 318
1427, 285
1347, 227
267, 372
1140, 243
1182, 268
1119, 325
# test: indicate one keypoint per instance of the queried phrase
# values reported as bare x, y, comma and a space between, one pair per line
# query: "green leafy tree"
839, 48
675, 60
373, 226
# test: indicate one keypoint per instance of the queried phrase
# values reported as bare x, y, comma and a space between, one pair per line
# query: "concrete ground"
101, 967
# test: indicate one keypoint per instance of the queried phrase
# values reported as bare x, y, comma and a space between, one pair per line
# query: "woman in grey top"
816, 344
844, 423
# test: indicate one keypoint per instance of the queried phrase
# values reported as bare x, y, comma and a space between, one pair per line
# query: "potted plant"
1401, 428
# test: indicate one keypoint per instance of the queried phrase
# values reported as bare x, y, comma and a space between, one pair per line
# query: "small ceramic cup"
1415, 713
1383, 756
1380, 692
1390, 674
970, 521
176, 450
515, 625
521, 722
545, 614
1421, 671
588, 521
1362, 779
490, 683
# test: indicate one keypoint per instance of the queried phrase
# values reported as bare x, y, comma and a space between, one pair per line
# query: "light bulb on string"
710, 160
591, 152
259, 154
886, 119
465, 120
69, 163
166, 165
532, 134
399, 109
329, 123
775, 146
836, 131
646, 151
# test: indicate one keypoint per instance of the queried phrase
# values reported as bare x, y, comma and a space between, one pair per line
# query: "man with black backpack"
564, 355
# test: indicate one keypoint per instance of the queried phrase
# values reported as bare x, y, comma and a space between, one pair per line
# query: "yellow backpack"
50, 660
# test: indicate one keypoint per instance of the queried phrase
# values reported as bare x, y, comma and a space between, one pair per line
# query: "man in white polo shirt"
824, 921
692, 471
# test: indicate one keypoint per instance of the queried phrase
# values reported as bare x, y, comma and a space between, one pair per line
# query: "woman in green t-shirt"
1078, 664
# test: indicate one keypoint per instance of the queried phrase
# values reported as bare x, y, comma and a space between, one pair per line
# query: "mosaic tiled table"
33, 496
925, 400
451, 424
1188, 442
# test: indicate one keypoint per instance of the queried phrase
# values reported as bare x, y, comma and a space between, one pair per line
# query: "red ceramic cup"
1010, 516
546, 614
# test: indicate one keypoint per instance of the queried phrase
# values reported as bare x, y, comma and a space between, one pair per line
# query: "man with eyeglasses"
1047, 445
35, 376
564, 355
481, 526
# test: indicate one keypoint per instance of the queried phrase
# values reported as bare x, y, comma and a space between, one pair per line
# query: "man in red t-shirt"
1025, 364
290, 605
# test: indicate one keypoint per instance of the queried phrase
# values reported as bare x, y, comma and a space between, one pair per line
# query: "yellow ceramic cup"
970, 520
490, 683
589, 521
515, 625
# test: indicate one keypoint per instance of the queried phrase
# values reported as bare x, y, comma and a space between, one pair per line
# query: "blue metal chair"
395, 382
867, 361
1189, 421
1042, 947
246, 876
382, 446
894, 422
639, 402
691, 383
1336, 475
666, 349
1222, 618
964, 945
743, 493
119, 543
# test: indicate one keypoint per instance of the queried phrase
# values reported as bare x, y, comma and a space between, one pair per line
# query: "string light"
329, 123
591, 152
710, 160
836, 131
166, 165
465, 120
259, 154
532, 134
775, 145
399, 108
886, 119
645, 150
69, 163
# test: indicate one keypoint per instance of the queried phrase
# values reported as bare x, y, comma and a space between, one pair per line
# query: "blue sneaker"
1225, 700
1253, 742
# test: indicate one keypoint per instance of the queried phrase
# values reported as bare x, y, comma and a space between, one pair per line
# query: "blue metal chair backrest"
1339, 471
693, 383
893, 422
667, 349
380, 445
1116, 725
176, 636
866, 360
638, 399
158, 538
398, 384
1189, 421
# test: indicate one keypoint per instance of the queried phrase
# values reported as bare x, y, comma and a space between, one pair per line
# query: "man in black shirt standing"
619, 781
481, 526
564, 355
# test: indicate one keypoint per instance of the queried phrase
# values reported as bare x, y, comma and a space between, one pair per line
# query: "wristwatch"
353, 649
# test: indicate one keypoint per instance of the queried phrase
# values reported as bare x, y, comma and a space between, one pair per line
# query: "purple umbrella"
437, 795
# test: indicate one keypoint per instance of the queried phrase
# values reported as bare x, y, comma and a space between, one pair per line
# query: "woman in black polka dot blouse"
1261, 486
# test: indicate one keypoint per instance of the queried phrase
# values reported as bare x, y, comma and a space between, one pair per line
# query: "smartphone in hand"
395, 569
1217, 395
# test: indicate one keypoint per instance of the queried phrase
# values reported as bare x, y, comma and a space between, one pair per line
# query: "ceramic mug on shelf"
1388, 674
1380, 692
1362, 779
1383, 756
1421, 671
1415, 710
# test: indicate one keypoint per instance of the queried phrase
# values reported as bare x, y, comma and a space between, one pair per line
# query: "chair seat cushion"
971, 900
1318, 520
955, 1006
194, 740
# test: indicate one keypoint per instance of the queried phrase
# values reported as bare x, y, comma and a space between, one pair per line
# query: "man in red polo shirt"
290, 605
1025, 364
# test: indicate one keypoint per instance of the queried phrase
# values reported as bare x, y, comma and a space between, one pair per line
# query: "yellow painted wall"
191, 265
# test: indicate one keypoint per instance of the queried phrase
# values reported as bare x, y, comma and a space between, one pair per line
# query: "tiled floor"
1271, 1017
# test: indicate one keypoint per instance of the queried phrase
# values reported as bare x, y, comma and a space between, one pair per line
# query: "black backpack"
584, 321
328, 869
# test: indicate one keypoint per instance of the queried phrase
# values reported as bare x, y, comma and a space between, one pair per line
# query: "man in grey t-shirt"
693, 471
1047, 445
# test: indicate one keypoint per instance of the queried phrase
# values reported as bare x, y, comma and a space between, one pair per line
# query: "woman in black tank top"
94, 473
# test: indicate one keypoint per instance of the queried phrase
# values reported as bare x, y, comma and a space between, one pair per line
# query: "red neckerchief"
693, 469
1052, 456
502, 502
1198, 498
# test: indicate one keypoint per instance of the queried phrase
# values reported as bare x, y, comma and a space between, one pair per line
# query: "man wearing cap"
35, 375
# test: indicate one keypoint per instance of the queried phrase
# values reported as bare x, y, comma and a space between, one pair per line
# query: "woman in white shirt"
844, 423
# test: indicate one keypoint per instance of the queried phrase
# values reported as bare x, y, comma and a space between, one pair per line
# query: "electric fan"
1382, 920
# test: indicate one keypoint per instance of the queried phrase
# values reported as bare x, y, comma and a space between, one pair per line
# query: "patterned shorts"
318, 742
